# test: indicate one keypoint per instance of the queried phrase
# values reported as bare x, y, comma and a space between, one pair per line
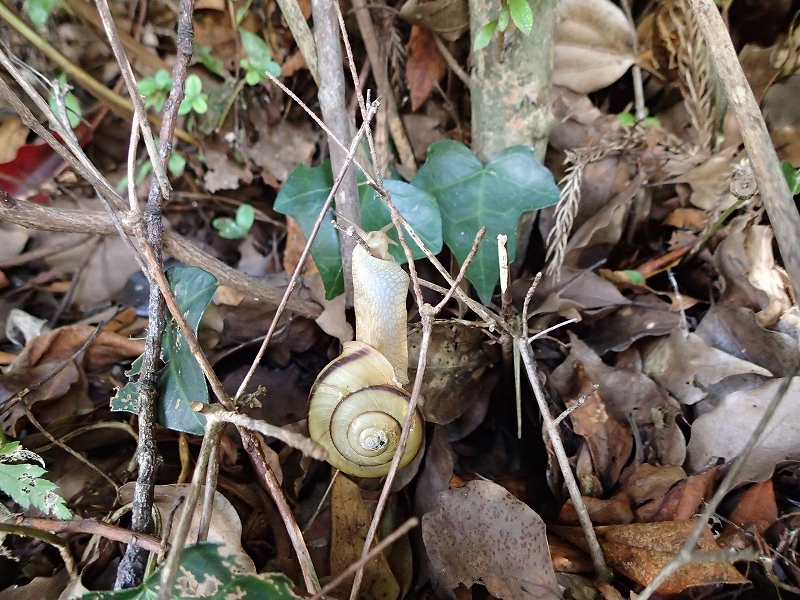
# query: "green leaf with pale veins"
471, 195
206, 572
24, 483
484, 35
181, 381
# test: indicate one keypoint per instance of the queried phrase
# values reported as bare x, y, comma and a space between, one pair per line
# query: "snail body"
358, 405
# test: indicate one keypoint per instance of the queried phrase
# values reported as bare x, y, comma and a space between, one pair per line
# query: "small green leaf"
635, 277
485, 35
245, 216
202, 53
241, 13
627, 119
252, 77
181, 381
23, 481
176, 164
273, 68
502, 21
302, 197
163, 79
228, 228
522, 15
200, 104
791, 175
471, 195
39, 11
256, 47
193, 86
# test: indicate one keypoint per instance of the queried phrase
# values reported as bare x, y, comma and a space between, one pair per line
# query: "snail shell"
357, 413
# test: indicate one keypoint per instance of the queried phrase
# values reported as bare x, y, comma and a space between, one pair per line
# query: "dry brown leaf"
756, 510
282, 148
225, 525
425, 65
640, 550
223, 173
614, 511
686, 366
448, 18
593, 46
629, 392
480, 531
692, 219
12, 137
350, 521
648, 482
682, 501
609, 442
735, 330
724, 431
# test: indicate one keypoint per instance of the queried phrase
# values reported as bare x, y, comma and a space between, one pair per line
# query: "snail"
357, 404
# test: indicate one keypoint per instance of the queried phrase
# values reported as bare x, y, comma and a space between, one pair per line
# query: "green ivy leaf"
415, 204
522, 15
484, 36
207, 573
302, 197
39, 11
471, 195
181, 381
23, 481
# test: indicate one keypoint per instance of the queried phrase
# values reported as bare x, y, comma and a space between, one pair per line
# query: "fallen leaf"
480, 531
225, 525
627, 392
640, 551
724, 431
735, 330
14, 239
610, 443
686, 366
350, 521
593, 46
459, 374
756, 510
614, 511
281, 148
12, 137
682, 501
424, 66
223, 173
650, 481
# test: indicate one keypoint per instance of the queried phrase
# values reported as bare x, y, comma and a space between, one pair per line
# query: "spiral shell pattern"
357, 413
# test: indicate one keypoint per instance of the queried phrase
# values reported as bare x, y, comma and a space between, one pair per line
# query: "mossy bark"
510, 89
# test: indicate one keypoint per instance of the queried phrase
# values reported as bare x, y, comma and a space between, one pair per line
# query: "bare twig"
775, 193
451, 61
138, 106
171, 566
93, 527
36, 216
301, 33
45, 536
601, 569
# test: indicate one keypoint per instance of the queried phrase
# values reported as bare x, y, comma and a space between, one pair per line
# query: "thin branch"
44, 536
93, 527
775, 193
601, 569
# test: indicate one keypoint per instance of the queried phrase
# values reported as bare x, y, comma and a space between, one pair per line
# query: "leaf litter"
683, 314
